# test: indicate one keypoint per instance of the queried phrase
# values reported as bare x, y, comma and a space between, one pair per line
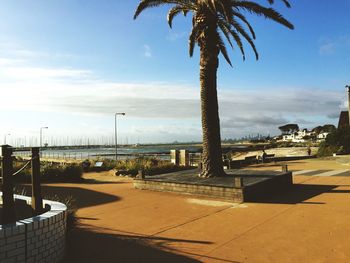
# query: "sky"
69, 65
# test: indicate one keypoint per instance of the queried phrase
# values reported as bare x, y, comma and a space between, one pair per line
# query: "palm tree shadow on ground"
86, 245
298, 194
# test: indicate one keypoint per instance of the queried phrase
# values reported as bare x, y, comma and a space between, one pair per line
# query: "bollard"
37, 201
174, 157
238, 182
184, 158
140, 175
284, 168
9, 215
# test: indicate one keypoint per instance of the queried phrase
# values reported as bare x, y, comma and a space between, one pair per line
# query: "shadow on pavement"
86, 245
99, 181
82, 197
298, 193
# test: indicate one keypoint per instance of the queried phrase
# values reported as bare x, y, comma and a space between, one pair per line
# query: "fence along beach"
108, 152
81, 153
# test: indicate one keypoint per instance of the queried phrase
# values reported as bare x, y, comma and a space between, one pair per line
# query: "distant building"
322, 136
298, 136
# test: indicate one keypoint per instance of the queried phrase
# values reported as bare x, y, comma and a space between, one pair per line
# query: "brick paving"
308, 223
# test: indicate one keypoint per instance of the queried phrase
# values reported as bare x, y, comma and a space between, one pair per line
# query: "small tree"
328, 128
317, 129
213, 22
325, 128
336, 141
289, 128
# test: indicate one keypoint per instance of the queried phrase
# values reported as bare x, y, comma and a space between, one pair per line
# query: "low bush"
336, 142
70, 202
50, 172
61, 172
73, 172
327, 150
149, 166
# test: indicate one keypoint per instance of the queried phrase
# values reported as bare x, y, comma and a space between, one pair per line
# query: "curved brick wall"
36, 239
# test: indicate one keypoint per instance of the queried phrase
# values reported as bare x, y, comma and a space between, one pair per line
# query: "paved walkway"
323, 172
309, 223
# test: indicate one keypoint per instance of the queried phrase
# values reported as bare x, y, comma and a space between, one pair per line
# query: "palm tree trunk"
212, 164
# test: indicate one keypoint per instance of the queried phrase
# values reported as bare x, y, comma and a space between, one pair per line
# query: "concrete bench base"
253, 184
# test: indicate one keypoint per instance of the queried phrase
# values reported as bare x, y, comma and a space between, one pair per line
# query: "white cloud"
38, 73
79, 92
10, 62
327, 48
147, 51
241, 112
330, 46
173, 36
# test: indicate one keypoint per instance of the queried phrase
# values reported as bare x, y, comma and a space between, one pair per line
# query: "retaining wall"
36, 239
226, 193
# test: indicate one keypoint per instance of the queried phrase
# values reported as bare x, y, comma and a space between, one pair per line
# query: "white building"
322, 136
297, 136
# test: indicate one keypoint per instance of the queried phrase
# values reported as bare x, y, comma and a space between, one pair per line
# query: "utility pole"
115, 133
41, 135
348, 87
5, 138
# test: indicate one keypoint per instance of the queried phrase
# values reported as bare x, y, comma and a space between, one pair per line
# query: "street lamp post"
41, 135
348, 87
5, 138
115, 133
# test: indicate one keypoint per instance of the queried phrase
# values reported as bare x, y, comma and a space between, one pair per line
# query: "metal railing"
80, 156
6, 159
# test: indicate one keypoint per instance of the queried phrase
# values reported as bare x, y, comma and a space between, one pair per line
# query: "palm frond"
144, 4
241, 31
174, 12
259, 10
228, 16
223, 50
193, 39
245, 21
284, 1
228, 31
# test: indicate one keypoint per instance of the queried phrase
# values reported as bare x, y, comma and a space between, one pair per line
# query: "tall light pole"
348, 87
41, 135
5, 138
115, 133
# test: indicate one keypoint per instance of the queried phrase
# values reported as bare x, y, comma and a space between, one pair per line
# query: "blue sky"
70, 64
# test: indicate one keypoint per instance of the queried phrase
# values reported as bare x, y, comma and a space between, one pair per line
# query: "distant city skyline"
71, 64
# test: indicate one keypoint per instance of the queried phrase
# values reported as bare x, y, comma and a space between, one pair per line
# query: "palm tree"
212, 22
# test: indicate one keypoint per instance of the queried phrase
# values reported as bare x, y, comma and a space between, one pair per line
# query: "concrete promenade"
309, 223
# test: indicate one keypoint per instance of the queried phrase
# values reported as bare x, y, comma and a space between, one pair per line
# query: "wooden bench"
250, 159
268, 157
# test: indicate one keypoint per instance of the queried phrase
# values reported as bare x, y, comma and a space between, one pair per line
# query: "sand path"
309, 223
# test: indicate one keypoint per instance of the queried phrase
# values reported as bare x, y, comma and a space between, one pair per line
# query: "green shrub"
70, 202
150, 166
72, 172
61, 172
109, 164
327, 150
337, 141
51, 171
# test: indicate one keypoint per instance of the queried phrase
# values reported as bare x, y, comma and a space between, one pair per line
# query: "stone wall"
226, 193
36, 239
